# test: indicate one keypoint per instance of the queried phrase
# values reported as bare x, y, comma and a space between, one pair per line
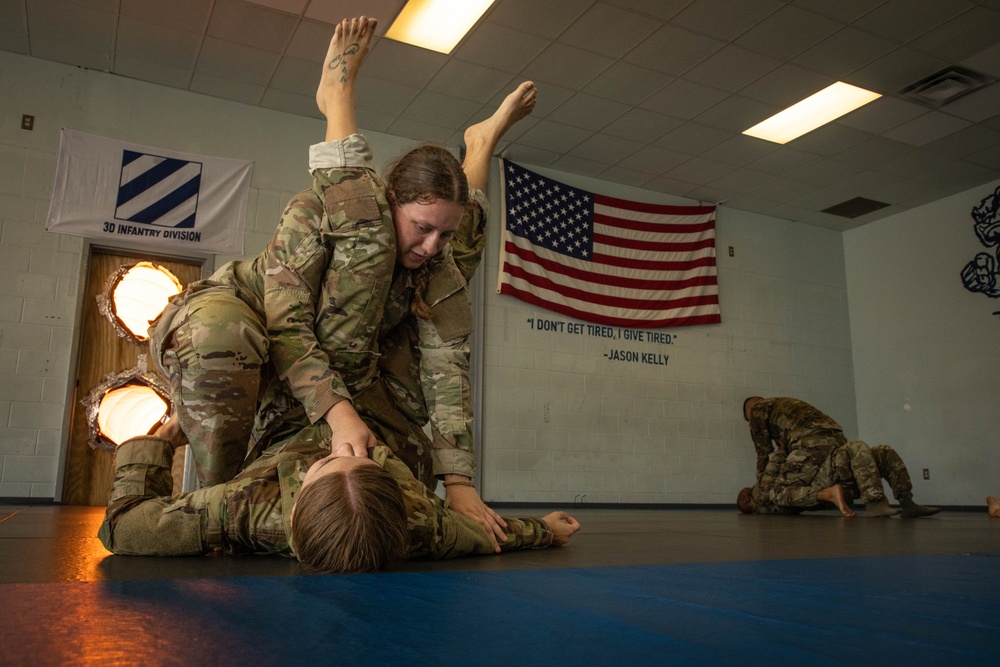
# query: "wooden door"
90, 472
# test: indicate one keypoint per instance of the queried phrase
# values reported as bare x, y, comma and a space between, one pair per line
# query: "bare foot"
880, 509
835, 495
514, 107
349, 45
171, 432
993, 505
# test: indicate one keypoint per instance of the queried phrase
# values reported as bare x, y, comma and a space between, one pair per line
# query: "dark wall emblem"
982, 274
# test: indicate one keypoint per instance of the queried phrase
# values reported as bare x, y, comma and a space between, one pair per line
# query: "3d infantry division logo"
158, 191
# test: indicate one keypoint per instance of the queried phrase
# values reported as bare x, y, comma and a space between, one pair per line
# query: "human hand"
464, 499
562, 526
348, 430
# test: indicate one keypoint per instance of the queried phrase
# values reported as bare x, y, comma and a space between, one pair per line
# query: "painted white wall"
926, 349
560, 420
564, 424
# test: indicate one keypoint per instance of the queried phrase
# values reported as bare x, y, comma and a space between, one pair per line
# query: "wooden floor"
53, 543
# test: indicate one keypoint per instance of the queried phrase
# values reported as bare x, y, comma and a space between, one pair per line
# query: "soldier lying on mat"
851, 470
383, 514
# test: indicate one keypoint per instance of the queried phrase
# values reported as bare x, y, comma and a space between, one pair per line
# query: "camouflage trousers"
212, 348
860, 469
808, 454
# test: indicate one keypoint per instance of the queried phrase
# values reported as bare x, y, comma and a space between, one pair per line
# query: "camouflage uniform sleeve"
326, 235
142, 519
438, 532
444, 369
469, 241
761, 436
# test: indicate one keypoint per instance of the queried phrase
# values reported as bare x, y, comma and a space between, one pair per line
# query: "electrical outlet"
731, 252
27, 122
927, 473
546, 414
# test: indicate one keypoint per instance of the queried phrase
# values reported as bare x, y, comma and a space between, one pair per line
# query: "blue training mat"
910, 610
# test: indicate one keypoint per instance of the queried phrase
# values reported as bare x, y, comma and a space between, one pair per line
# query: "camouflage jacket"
250, 513
426, 362
792, 424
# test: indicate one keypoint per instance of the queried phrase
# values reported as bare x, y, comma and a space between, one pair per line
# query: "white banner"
148, 198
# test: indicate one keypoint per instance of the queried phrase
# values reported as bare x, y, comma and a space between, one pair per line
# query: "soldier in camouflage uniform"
852, 470
250, 514
804, 434
296, 330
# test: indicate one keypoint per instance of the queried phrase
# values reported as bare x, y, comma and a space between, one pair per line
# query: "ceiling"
649, 93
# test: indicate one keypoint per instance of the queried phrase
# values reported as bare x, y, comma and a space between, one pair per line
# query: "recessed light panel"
819, 109
437, 25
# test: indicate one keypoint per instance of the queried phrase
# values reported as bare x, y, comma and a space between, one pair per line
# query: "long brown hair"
425, 174
351, 521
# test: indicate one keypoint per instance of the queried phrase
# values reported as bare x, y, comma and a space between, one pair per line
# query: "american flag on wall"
606, 260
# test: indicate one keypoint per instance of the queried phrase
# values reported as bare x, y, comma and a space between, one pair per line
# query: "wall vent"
946, 86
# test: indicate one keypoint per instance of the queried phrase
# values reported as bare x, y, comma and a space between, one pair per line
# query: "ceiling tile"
190, 15
895, 71
608, 30
311, 40
718, 18
683, 99
673, 50
845, 11
962, 36
401, 63
588, 112
491, 48
785, 86
743, 181
605, 149
927, 128
296, 76
261, 28
578, 165
699, 170
653, 160
736, 114
903, 20
332, 12
692, 138
788, 32
384, 96
844, 52
226, 88
554, 136
658, 9
238, 62
440, 110
160, 73
641, 125
986, 61
470, 82
739, 150
731, 69
567, 65
883, 114
547, 19
157, 43
784, 161
627, 83
976, 106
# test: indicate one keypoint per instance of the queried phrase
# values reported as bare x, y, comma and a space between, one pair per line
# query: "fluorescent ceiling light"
437, 25
828, 104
